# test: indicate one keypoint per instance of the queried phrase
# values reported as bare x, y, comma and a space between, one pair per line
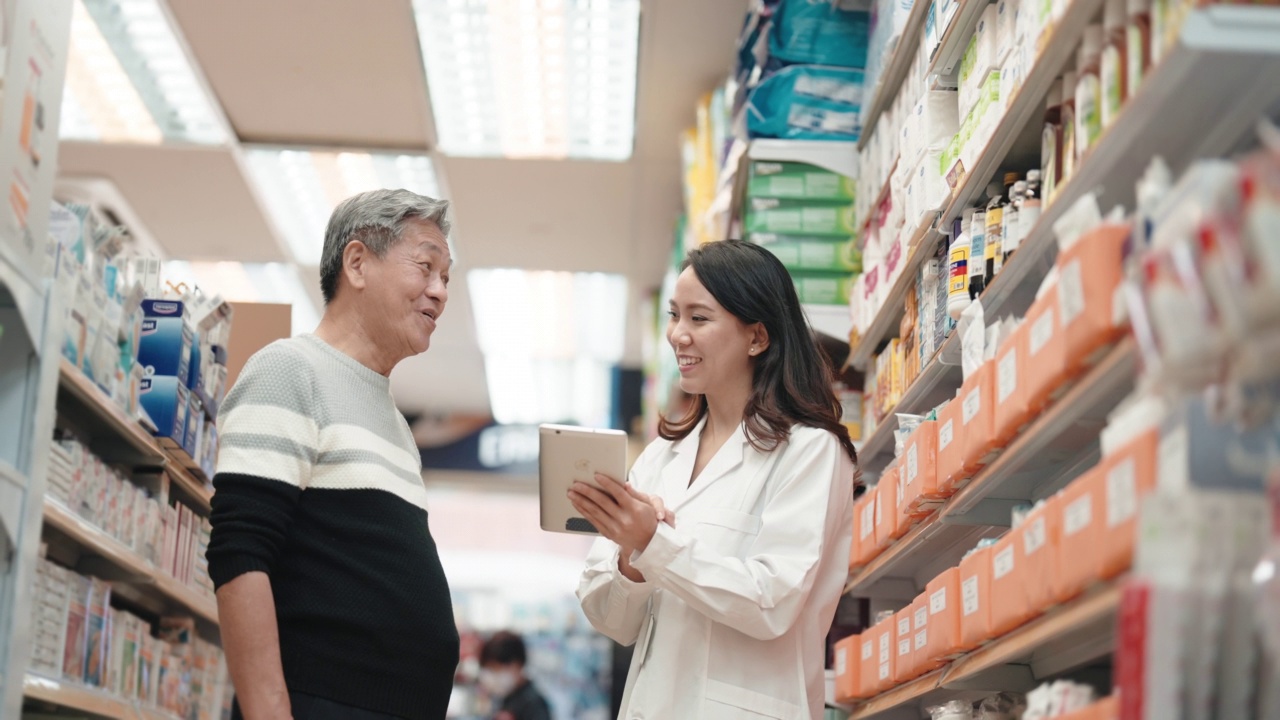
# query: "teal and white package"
818, 32
807, 102
165, 344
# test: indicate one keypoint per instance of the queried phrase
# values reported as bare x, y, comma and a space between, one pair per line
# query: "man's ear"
355, 263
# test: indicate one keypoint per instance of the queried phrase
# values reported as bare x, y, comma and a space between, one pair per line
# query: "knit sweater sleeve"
268, 447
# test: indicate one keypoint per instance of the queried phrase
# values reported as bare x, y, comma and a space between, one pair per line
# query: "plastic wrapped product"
807, 102
819, 33
954, 710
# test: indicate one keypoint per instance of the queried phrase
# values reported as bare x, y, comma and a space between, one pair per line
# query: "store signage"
504, 449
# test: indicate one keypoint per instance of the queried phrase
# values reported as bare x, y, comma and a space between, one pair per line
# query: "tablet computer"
567, 453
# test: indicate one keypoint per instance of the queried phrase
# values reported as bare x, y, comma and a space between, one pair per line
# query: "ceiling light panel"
129, 79
301, 187
532, 78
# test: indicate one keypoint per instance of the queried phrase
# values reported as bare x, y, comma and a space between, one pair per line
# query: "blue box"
165, 346
165, 398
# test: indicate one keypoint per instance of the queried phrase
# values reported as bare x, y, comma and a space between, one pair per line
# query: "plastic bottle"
995, 224
1088, 91
1032, 203
1067, 152
958, 267
1013, 221
977, 252
1138, 41
1114, 67
1051, 138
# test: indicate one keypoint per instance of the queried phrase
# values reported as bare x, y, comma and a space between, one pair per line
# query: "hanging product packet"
807, 102
821, 32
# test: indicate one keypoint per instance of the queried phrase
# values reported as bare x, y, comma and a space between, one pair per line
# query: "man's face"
407, 290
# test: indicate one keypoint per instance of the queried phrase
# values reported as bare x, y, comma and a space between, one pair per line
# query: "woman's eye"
671, 314
699, 318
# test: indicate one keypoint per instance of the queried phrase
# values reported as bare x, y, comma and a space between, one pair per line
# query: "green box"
799, 181
818, 288
799, 217
812, 253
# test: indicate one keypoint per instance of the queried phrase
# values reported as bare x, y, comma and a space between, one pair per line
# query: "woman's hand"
621, 513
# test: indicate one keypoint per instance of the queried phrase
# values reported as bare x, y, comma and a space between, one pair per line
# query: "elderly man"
332, 600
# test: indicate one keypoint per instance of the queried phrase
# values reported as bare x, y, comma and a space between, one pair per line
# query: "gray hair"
378, 219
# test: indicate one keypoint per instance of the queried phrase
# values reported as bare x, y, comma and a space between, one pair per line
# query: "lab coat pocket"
730, 702
728, 531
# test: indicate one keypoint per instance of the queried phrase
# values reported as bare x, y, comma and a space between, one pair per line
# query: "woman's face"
713, 347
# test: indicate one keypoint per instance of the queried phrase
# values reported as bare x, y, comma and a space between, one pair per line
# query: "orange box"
904, 668
847, 667
1038, 554
975, 598
920, 629
1107, 708
1045, 370
1009, 608
1089, 277
868, 668
864, 530
952, 474
889, 526
1012, 411
978, 415
1129, 474
943, 594
919, 470
886, 652
1080, 545
906, 517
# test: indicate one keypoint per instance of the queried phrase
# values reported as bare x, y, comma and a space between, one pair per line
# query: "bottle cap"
1010, 178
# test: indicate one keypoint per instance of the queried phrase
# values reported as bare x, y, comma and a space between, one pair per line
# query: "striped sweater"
319, 486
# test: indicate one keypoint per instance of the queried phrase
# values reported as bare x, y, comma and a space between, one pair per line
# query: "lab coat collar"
677, 473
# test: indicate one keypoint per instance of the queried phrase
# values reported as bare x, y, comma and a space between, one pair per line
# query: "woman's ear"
759, 339
355, 257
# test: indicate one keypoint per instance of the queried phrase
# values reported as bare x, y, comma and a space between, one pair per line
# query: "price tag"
1041, 332
868, 649
868, 520
842, 661
1078, 515
972, 404
922, 617
1122, 493
913, 463
938, 601
1002, 563
969, 602
885, 645
1034, 536
884, 672
904, 646
1007, 376
922, 639
1071, 293
904, 626
945, 434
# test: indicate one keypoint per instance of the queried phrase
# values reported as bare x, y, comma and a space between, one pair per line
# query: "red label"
1131, 649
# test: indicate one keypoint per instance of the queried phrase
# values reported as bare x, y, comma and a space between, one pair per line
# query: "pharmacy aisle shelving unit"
87, 700
895, 70
1202, 100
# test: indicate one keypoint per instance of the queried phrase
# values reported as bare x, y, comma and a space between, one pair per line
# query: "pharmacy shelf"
115, 435
880, 198
955, 40
1065, 637
1059, 445
190, 483
838, 157
13, 487
885, 325
937, 381
136, 570
895, 71
94, 701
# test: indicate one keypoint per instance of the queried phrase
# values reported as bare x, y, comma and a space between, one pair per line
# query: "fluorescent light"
549, 356
129, 80
250, 282
519, 79
301, 187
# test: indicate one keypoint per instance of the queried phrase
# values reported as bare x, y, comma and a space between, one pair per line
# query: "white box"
936, 120
1006, 23
979, 59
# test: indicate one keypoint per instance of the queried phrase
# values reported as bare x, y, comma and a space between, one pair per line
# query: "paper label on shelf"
1041, 332
1007, 376
1002, 563
1078, 515
884, 671
868, 649
922, 639
1122, 493
969, 602
945, 434
972, 404
904, 646
1071, 292
842, 661
1035, 536
921, 617
904, 626
938, 601
868, 520
885, 645
913, 463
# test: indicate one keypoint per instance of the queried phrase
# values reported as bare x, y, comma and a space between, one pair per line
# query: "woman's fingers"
656, 502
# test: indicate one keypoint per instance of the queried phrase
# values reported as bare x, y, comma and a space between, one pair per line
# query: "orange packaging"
920, 628
889, 526
1129, 474
886, 652
847, 667
977, 414
975, 598
904, 668
1012, 411
1038, 554
906, 517
1107, 708
1009, 608
951, 471
1046, 369
864, 530
920, 470
943, 595
1089, 281
1080, 545
868, 667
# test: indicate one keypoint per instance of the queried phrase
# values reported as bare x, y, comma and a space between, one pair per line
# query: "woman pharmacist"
729, 606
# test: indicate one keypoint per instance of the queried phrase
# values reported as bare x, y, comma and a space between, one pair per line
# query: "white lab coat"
738, 597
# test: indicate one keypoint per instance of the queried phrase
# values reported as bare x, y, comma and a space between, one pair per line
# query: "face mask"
498, 683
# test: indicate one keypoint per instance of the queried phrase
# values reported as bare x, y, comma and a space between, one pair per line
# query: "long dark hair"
793, 380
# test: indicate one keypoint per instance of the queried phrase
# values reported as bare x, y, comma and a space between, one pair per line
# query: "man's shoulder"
291, 357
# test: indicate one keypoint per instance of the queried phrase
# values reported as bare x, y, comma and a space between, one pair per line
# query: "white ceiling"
348, 73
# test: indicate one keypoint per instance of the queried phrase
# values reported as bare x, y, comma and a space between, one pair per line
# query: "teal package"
818, 32
165, 398
164, 346
807, 102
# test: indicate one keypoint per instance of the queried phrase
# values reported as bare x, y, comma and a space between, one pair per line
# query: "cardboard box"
1090, 296
823, 288
904, 669
1012, 410
847, 667
889, 525
865, 545
1038, 554
1009, 608
1079, 557
920, 629
978, 415
975, 598
943, 593
165, 344
868, 663
799, 217
886, 654
797, 252
952, 474
1045, 370
165, 398
793, 180
1128, 475
920, 470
